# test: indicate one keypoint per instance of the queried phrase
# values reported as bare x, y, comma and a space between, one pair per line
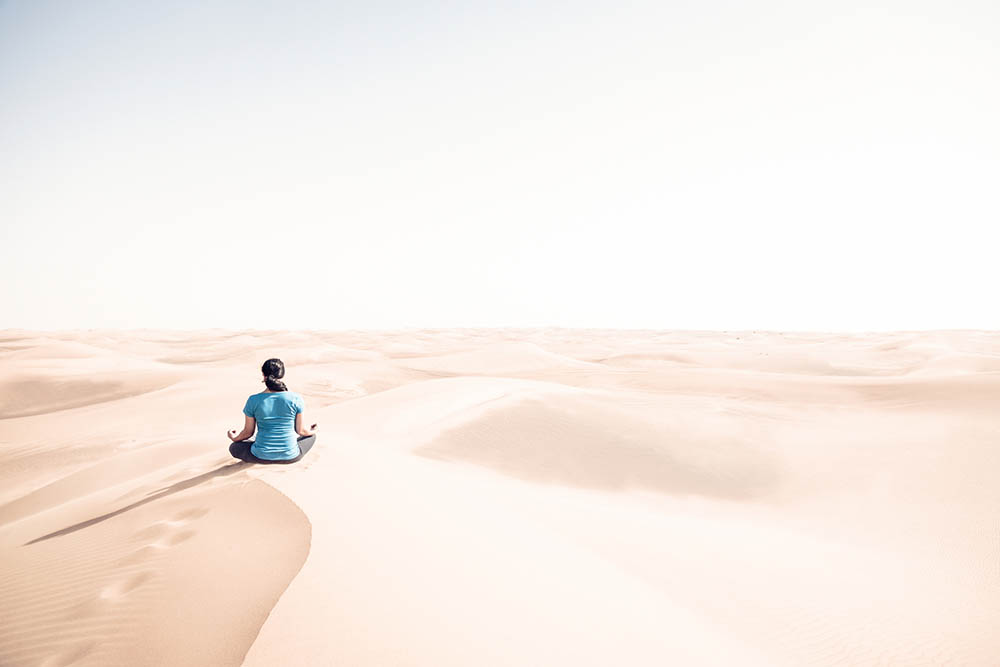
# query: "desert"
503, 497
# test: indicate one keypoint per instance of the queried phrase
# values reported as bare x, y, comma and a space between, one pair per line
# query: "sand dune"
494, 359
65, 374
147, 583
593, 443
480, 497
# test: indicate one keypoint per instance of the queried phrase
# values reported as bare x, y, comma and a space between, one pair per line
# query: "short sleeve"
299, 404
248, 408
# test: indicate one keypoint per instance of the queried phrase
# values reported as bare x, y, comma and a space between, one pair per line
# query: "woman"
277, 415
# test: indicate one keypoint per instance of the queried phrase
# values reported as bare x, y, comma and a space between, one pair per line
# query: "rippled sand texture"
503, 497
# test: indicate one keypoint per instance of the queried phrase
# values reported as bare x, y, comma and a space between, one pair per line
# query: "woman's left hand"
232, 434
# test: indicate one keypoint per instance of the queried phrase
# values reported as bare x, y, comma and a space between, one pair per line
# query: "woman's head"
273, 369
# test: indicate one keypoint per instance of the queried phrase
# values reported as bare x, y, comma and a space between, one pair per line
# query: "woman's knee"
305, 444
240, 450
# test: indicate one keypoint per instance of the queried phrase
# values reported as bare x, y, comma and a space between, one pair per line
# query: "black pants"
241, 450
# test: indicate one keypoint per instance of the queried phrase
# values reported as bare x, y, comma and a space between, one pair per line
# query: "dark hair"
272, 370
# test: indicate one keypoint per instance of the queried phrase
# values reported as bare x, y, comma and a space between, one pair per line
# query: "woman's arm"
301, 431
248, 427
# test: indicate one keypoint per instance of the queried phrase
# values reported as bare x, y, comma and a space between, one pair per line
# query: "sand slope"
542, 497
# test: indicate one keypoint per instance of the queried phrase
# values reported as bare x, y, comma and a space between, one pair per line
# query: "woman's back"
275, 414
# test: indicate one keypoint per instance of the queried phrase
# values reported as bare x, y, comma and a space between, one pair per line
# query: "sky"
711, 164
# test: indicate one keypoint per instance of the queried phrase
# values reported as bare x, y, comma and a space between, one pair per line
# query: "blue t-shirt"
275, 415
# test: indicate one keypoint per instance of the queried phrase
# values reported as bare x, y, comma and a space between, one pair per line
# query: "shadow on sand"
221, 471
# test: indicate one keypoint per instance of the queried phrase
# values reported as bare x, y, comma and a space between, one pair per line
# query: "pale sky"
825, 166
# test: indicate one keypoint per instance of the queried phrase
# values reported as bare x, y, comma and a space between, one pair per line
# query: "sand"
503, 497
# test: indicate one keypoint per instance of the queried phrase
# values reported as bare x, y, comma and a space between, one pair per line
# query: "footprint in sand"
143, 553
125, 586
191, 513
70, 655
165, 534
109, 594
153, 531
166, 526
177, 538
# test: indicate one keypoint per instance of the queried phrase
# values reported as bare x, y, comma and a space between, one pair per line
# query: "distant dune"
503, 497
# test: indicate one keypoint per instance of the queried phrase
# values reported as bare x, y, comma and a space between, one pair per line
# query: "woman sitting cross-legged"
277, 415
